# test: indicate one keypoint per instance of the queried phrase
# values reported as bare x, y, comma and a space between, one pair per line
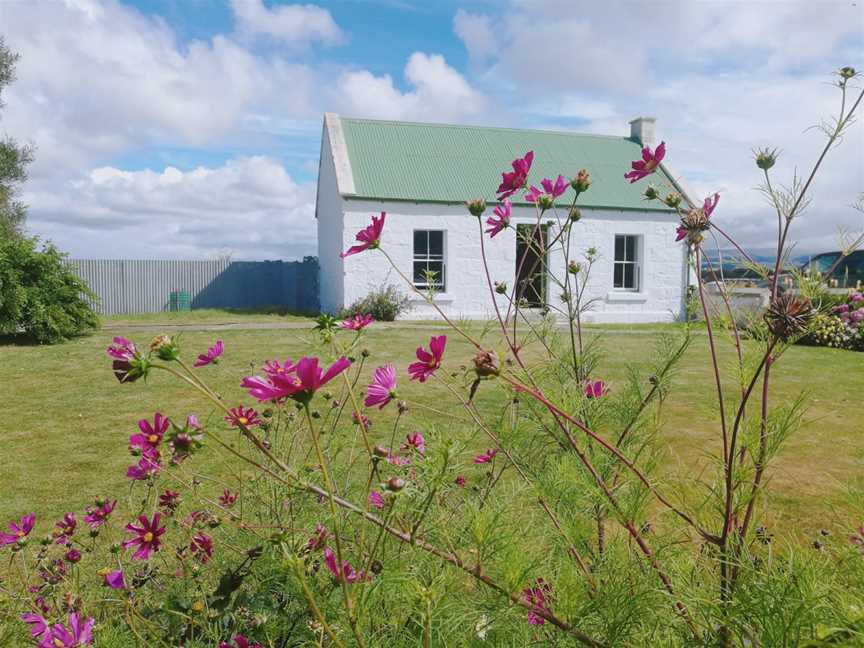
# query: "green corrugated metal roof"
448, 163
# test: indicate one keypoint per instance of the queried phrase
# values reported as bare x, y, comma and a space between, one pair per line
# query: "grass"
67, 419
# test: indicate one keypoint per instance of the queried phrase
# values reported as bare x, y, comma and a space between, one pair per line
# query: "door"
531, 265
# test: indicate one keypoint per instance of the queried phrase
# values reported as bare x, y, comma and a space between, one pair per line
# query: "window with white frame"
627, 268
429, 262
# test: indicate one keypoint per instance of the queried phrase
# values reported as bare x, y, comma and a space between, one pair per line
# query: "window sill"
626, 296
439, 297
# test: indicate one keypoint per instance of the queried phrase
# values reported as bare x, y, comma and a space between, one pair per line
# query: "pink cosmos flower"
680, 233
540, 595
148, 465
382, 389
595, 389
151, 435
513, 181
239, 642
300, 384
345, 572
227, 498
65, 528
115, 580
486, 457
78, 633
319, 537
72, 556
415, 441
245, 416
145, 537
122, 349
99, 514
459, 481
502, 222
428, 361
550, 189
648, 164
212, 355
201, 547
369, 237
18, 531
38, 624
361, 419
376, 499
357, 323
396, 460
709, 204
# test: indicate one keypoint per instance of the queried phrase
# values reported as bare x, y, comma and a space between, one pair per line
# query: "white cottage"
422, 174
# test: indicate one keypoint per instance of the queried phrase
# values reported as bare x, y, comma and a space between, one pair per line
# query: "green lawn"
67, 419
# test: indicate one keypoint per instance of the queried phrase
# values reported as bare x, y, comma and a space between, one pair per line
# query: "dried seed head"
581, 182
476, 207
789, 316
486, 364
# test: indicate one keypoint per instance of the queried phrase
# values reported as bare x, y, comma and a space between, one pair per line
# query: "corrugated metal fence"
127, 286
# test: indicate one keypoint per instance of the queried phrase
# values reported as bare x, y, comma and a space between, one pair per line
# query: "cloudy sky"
190, 128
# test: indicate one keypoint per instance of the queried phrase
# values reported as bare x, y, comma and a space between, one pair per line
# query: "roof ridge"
397, 122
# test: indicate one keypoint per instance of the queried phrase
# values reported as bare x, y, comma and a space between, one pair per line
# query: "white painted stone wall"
467, 294
328, 210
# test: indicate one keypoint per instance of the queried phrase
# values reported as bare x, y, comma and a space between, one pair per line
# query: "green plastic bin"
180, 300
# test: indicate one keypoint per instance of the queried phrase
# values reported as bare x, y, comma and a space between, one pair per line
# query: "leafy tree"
14, 159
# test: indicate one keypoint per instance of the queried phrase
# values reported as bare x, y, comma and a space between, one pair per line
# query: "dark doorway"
531, 279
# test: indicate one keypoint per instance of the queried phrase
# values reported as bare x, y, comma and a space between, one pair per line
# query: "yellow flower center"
148, 537
153, 438
21, 534
59, 643
650, 165
242, 420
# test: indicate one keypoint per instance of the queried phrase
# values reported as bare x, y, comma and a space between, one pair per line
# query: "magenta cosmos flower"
201, 547
65, 528
147, 466
709, 204
415, 441
227, 498
550, 189
382, 389
376, 499
78, 633
318, 538
346, 572
513, 181
151, 434
540, 595
212, 355
648, 164
428, 361
357, 323
486, 457
128, 365
299, 383
369, 237
99, 514
144, 537
18, 531
239, 642
500, 219
115, 580
595, 389
242, 416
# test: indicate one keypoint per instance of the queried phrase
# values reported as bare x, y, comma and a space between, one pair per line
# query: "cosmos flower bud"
476, 207
165, 348
672, 200
500, 287
575, 214
573, 267
846, 72
765, 158
365, 353
381, 451
651, 193
581, 182
545, 202
395, 484
402, 406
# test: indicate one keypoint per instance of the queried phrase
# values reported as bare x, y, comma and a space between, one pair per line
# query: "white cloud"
476, 32
440, 93
292, 24
249, 206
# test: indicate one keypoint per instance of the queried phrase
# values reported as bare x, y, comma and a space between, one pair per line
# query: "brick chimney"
642, 130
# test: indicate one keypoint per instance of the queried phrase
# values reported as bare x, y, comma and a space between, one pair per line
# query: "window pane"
631, 247
619, 276
629, 276
436, 243
419, 272
619, 248
420, 243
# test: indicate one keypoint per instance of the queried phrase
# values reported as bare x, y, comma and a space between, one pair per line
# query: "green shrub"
40, 297
384, 304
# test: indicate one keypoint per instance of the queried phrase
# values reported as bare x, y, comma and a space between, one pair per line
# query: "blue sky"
190, 128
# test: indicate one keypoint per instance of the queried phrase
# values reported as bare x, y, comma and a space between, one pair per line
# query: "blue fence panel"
132, 286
